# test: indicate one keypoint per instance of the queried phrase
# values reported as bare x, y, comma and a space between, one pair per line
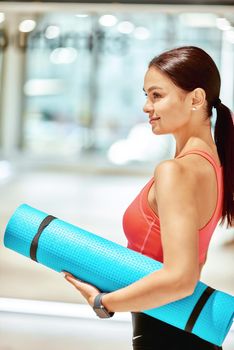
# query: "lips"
153, 119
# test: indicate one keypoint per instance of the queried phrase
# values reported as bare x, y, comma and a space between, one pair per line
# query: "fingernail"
63, 274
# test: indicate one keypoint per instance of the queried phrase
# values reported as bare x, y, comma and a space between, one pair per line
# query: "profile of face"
168, 106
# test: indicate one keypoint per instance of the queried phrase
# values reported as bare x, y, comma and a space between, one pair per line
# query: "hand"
88, 291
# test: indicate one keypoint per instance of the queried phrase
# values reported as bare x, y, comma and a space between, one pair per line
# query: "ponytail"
224, 139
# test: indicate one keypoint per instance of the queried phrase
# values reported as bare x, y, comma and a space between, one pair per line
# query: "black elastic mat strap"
34, 244
197, 308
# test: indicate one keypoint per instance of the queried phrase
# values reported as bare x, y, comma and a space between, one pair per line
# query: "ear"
198, 98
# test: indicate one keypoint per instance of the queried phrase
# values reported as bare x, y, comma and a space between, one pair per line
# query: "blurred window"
84, 76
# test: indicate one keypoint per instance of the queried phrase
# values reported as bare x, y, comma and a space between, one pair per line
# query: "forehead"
154, 77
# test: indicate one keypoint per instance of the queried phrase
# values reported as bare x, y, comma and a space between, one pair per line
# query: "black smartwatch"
100, 309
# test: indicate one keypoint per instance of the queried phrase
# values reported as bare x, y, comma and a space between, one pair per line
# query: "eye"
153, 95
156, 95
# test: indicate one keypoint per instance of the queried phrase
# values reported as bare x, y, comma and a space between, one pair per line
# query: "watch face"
102, 313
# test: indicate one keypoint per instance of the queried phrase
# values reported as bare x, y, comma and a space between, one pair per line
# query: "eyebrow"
153, 88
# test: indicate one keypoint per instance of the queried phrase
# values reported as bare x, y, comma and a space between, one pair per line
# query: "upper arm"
179, 224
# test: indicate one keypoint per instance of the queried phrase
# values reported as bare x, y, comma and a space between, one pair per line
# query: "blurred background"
74, 142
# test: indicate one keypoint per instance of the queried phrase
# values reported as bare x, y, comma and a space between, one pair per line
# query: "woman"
174, 216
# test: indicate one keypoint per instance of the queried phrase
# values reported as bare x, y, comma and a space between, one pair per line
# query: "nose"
148, 107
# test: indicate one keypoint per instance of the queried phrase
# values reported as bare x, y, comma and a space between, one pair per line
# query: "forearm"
154, 290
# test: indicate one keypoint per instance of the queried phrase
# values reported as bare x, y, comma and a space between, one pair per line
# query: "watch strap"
98, 304
98, 300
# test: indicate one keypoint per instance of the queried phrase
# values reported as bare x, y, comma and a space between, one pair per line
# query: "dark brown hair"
190, 67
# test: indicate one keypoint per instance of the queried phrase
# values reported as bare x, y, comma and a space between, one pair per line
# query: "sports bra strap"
202, 153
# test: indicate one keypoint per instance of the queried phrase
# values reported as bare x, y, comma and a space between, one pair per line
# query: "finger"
68, 274
64, 273
74, 281
82, 286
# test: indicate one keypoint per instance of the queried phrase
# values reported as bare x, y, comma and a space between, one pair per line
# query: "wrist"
99, 308
105, 302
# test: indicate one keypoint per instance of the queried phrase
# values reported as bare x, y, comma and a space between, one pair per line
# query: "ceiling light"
141, 33
107, 20
63, 55
52, 32
125, 27
82, 15
27, 25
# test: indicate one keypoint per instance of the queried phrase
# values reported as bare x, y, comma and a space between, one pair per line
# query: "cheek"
170, 109
172, 116
166, 110
165, 105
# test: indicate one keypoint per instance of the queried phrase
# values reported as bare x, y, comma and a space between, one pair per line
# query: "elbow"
186, 287
189, 287
189, 291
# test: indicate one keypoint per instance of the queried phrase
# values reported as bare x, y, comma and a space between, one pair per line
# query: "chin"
160, 132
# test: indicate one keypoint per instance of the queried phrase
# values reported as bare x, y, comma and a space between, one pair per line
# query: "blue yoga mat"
110, 266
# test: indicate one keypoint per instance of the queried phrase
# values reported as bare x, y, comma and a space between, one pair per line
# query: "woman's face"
168, 107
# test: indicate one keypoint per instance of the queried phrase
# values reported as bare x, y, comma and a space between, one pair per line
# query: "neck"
187, 139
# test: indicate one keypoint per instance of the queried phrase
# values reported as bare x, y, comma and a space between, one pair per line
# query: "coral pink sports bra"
142, 226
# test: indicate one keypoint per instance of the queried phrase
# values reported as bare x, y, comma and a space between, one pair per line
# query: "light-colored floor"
27, 332
96, 202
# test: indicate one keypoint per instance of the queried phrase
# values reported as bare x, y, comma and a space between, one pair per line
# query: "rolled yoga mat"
208, 313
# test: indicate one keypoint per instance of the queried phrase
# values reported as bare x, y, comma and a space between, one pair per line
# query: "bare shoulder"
175, 171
